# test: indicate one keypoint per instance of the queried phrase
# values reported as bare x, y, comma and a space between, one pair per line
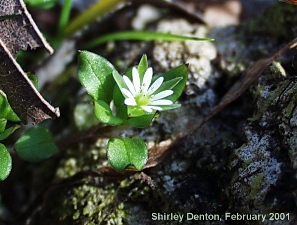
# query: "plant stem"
98, 9
64, 17
141, 36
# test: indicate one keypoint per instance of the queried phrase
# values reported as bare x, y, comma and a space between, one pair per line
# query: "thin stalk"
64, 17
98, 9
141, 36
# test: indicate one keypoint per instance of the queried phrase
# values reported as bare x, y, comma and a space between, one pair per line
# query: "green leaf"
141, 36
42, 4
119, 79
95, 74
64, 16
12, 116
36, 144
117, 154
6, 133
97, 10
170, 79
118, 97
5, 162
141, 121
3, 123
4, 107
142, 67
34, 79
6, 111
104, 114
169, 85
134, 111
122, 152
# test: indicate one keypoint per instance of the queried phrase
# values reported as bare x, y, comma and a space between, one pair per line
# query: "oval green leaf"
6, 133
141, 121
95, 74
5, 162
36, 144
142, 66
104, 114
177, 79
122, 152
3, 123
6, 111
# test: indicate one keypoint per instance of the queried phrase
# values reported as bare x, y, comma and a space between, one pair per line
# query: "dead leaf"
158, 153
20, 91
18, 31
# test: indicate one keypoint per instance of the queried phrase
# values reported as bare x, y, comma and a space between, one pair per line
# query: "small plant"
132, 99
6, 114
34, 145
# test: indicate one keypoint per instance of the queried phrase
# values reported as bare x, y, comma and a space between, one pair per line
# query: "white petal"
130, 101
161, 102
162, 94
129, 84
147, 108
136, 80
156, 107
127, 93
150, 108
155, 85
147, 79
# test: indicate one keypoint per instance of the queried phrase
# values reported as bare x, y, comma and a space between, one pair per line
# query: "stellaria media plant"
131, 99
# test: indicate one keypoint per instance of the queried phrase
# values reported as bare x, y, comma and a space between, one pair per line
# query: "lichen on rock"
264, 166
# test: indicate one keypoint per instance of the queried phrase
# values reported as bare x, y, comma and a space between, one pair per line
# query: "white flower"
142, 95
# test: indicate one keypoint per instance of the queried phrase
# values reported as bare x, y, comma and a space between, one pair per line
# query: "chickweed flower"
141, 94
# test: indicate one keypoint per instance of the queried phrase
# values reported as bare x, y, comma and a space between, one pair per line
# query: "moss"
85, 157
265, 104
247, 163
96, 204
85, 204
255, 186
290, 105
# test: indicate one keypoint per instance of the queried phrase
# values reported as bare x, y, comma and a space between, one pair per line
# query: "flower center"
142, 99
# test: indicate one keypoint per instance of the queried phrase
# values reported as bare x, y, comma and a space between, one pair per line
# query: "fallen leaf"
18, 31
20, 91
158, 153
